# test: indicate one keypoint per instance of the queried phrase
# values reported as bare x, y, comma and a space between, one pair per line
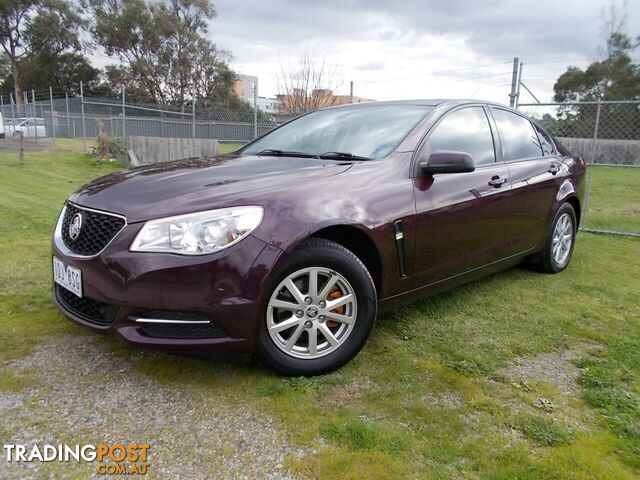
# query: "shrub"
110, 148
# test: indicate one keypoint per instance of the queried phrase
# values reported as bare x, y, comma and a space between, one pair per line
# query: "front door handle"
497, 181
554, 168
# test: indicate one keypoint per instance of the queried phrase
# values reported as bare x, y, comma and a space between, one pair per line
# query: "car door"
460, 217
535, 178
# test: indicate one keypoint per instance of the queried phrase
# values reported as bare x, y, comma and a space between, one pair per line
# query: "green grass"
614, 203
426, 397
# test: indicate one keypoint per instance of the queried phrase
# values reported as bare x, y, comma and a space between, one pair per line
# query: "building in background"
243, 87
300, 101
297, 101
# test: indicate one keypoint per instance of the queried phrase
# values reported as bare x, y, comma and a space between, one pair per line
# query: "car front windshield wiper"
341, 156
272, 152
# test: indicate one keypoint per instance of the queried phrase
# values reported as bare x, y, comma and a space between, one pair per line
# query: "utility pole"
351, 91
519, 84
514, 82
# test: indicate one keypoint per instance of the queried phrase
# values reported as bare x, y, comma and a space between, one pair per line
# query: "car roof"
432, 102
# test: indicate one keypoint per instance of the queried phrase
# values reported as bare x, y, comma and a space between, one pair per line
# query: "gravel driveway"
86, 394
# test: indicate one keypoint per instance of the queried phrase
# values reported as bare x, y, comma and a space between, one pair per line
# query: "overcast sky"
417, 48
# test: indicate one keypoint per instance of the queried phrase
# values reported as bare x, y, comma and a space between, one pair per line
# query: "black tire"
545, 261
318, 252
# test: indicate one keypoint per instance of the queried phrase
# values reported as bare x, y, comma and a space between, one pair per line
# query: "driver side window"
465, 130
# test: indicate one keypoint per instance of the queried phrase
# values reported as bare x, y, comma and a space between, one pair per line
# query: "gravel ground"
557, 368
86, 394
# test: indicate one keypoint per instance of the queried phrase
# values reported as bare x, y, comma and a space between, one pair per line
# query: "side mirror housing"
445, 161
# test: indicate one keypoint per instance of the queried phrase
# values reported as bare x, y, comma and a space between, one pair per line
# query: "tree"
63, 72
36, 28
307, 85
163, 48
616, 77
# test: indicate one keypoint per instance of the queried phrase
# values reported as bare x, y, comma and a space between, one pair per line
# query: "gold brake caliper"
334, 294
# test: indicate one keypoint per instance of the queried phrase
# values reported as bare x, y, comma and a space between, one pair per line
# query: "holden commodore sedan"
290, 246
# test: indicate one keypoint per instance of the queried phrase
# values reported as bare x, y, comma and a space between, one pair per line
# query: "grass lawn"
615, 199
433, 394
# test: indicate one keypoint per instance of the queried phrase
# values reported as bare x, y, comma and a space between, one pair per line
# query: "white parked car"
30, 127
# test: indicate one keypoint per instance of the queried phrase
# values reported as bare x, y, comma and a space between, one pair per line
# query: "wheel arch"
575, 203
569, 194
357, 242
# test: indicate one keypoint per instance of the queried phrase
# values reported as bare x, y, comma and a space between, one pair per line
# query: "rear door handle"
554, 168
497, 181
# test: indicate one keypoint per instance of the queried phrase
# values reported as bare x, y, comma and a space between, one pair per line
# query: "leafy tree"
63, 72
163, 48
31, 29
616, 77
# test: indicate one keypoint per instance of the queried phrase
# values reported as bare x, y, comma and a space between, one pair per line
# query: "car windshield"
362, 132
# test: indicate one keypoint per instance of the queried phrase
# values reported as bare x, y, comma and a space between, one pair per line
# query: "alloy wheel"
312, 312
562, 239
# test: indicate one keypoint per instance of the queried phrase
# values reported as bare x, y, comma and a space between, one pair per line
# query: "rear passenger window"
545, 142
465, 130
517, 135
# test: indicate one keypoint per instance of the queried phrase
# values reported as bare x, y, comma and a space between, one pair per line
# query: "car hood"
161, 190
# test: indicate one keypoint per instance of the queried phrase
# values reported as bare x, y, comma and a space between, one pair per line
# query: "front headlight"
198, 233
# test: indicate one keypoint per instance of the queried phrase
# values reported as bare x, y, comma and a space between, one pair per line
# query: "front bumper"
227, 287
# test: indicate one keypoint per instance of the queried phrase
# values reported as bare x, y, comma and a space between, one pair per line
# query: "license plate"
67, 276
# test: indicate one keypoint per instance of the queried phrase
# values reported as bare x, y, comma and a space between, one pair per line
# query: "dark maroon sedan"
289, 246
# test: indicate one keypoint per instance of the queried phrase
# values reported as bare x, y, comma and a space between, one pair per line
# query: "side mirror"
446, 161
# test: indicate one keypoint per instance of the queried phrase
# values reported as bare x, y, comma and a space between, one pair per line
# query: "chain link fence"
52, 114
607, 136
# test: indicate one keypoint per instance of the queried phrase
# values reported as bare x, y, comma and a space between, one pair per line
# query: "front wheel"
320, 310
559, 245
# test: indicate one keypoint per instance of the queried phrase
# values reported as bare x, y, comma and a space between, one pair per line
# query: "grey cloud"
503, 28
370, 66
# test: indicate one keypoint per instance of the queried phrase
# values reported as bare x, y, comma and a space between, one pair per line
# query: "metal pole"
519, 84
53, 127
2, 105
351, 91
124, 115
13, 114
193, 118
255, 109
531, 93
514, 82
35, 112
590, 164
66, 101
84, 131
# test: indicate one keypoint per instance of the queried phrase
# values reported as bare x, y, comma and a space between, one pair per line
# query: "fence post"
84, 131
590, 163
53, 127
255, 109
13, 114
124, 115
2, 105
66, 101
35, 113
193, 116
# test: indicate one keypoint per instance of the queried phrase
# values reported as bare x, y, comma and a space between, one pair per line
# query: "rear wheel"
559, 245
320, 310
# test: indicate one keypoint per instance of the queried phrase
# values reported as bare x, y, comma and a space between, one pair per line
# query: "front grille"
87, 309
177, 330
97, 230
